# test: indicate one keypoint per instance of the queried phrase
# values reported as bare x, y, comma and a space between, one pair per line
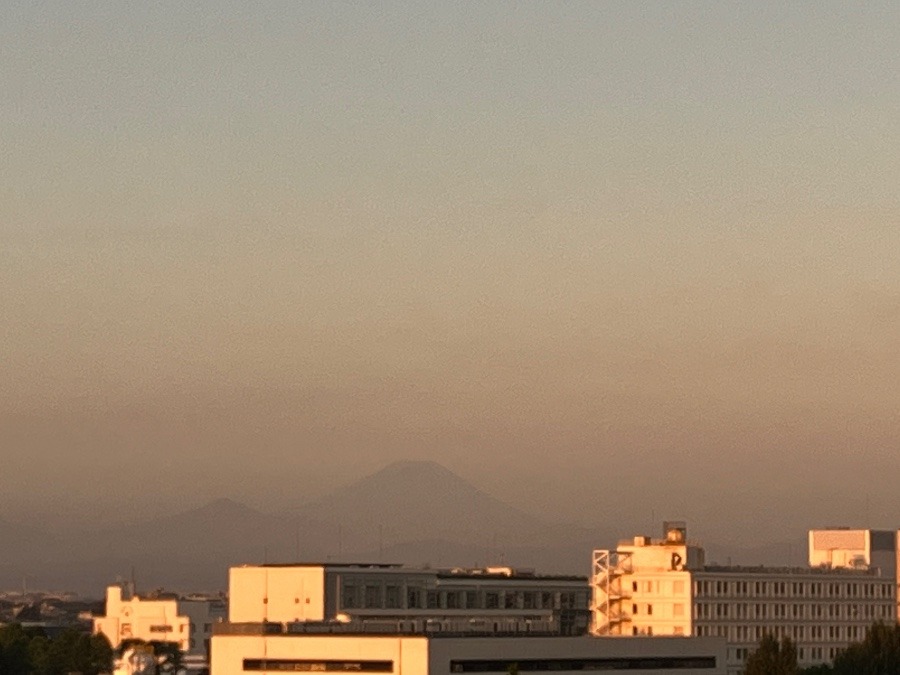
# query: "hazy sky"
608, 261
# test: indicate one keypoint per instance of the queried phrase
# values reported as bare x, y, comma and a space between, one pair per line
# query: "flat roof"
420, 627
361, 565
511, 574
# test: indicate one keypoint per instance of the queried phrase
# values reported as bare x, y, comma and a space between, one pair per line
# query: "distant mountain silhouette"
220, 529
411, 501
408, 512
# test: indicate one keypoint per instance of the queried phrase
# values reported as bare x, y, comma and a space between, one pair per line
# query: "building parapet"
425, 628
762, 569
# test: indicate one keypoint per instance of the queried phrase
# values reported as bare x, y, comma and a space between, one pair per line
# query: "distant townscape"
648, 605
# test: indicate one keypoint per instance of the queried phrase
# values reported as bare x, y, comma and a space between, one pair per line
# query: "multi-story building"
393, 619
185, 621
665, 587
499, 597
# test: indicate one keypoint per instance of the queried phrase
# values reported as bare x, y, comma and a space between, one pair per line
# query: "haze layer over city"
608, 263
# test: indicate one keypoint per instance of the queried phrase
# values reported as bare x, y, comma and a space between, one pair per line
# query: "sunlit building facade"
185, 621
496, 596
664, 587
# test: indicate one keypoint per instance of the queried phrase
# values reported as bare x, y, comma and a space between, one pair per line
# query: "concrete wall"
409, 655
435, 656
281, 594
144, 619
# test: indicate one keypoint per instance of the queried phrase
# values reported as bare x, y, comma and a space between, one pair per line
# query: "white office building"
410, 621
500, 598
664, 587
236, 652
184, 621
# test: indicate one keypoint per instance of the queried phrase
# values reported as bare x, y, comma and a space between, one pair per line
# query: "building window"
392, 597
372, 597
348, 597
453, 600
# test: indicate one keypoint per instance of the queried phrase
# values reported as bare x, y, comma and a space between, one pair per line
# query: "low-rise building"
239, 649
664, 587
495, 597
185, 621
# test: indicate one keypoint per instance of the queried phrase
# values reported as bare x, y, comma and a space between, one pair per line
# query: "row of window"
647, 610
613, 664
833, 611
753, 634
804, 654
648, 630
655, 586
377, 596
308, 665
492, 666
797, 589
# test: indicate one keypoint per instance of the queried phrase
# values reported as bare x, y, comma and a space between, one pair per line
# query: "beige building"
235, 652
664, 587
185, 621
497, 597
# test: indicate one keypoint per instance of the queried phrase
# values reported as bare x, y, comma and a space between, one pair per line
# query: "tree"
168, 656
101, 654
14, 658
877, 654
773, 658
820, 669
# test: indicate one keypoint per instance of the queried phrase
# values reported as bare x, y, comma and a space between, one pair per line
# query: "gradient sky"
611, 262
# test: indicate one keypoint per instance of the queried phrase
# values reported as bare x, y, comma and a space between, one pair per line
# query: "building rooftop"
493, 573
420, 627
361, 565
